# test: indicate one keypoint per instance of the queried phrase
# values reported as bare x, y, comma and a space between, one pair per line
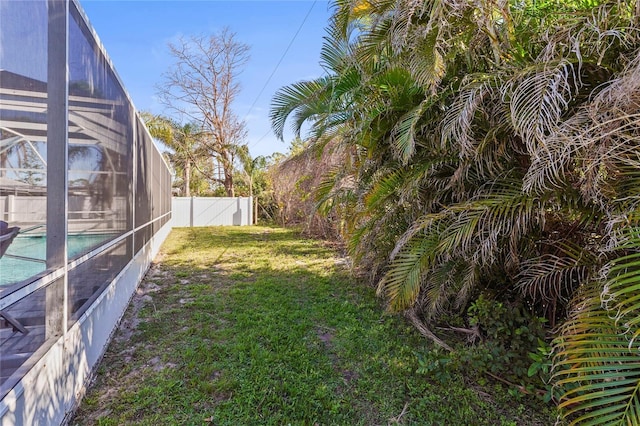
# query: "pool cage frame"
55, 324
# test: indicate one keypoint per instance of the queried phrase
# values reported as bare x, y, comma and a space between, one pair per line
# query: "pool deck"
88, 281
25, 258
15, 346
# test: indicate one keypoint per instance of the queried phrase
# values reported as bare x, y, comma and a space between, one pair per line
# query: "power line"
276, 68
260, 139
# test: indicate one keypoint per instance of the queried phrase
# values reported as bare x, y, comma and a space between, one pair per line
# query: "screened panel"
90, 278
23, 138
100, 140
105, 176
142, 236
143, 207
26, 326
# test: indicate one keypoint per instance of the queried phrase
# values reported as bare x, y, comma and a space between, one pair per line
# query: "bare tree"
201, 86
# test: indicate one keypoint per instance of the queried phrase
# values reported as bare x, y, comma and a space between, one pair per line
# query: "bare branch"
201, 87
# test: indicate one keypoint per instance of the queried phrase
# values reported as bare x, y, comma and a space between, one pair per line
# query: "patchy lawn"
257, 326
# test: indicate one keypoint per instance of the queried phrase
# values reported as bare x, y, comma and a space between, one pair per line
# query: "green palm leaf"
427, 64
401, 285
333, 189
303, 99
405, 134
335, 51
375, 41
480, 231
500, 213
451, 280
598, 353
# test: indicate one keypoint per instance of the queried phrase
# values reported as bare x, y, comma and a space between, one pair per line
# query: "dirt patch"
349, 375
141, 297
155, 271
325, 337
156, 364
131, 321
127, 354
148, 287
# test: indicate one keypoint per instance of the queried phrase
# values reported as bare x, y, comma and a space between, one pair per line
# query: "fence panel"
212, 211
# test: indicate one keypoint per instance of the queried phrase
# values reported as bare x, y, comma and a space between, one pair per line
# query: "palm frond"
479, 231
461, 113
402, 283
342, 16
335, 51
552, 162
335, 185
384, 189
427, 64
299, 99
539, 99
597, 356
405, 182
404, 134
549, 277
374, 42
449, 285
621, 293
598, 365
499, 213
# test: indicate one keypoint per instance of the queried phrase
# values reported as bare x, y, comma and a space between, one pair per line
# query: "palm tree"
493, 145
250, 168
183, 140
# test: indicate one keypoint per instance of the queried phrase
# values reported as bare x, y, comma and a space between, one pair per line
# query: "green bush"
510, 339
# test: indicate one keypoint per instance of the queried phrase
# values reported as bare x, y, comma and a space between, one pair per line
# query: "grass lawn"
258, 326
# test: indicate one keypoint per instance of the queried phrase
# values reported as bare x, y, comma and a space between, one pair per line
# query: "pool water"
31, 254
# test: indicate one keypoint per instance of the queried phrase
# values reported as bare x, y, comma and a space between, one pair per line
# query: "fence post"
191, 212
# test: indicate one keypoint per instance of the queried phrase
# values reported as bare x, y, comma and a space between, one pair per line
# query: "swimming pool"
26, 255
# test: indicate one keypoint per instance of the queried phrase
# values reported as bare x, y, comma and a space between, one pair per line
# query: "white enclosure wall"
211, 211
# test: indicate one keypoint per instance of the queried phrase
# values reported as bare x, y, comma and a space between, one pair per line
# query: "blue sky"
135, 36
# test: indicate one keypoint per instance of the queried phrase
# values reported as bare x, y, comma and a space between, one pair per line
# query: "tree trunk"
255, 211
228, 182
186, 177
251, 196
255, 201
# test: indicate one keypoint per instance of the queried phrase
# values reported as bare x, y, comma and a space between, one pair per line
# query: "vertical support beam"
57, 150
131, 193
11, 208
191, 204
133, 181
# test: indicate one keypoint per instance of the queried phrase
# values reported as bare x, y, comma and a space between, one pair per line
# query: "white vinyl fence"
211, 211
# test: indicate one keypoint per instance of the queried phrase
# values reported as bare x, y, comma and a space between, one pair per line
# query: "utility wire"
276, 68
260, 139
